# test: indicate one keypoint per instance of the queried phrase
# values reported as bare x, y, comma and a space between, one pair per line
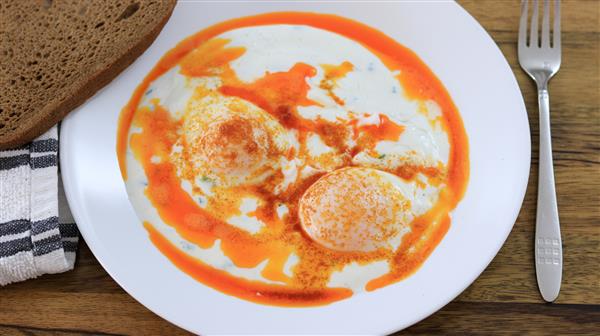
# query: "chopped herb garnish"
381, 156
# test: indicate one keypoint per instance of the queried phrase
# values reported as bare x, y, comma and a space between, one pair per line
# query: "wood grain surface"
504, 299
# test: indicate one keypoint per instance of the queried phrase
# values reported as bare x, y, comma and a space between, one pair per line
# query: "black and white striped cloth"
37, 232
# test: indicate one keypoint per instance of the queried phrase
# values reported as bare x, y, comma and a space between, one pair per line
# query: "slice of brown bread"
56, 54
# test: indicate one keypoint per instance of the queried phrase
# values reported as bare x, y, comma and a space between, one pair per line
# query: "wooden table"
504, 298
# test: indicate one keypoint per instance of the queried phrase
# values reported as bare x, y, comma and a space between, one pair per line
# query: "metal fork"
541, 61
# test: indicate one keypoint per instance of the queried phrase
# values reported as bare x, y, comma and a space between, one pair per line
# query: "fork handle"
548, 244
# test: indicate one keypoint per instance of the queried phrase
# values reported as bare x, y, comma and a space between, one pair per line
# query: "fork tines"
534, 40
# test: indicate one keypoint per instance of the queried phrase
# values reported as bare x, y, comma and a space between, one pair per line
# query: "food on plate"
293, 159
357, 209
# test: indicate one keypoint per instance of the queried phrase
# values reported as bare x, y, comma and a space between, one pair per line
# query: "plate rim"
91, 241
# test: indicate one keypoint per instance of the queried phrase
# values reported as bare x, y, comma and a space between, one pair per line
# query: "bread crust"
55, 110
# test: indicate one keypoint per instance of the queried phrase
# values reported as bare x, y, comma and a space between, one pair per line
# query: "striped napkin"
37, 232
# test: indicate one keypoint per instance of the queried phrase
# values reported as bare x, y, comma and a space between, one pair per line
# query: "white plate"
478, 78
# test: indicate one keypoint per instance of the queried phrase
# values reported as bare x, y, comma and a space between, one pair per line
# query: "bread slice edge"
53, 113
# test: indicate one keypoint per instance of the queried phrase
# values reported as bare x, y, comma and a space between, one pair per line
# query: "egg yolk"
354, 209
235, 147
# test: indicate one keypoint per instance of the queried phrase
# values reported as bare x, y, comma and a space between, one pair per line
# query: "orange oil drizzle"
332, 74
276, 92
386, 129
245, 289
208, 57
